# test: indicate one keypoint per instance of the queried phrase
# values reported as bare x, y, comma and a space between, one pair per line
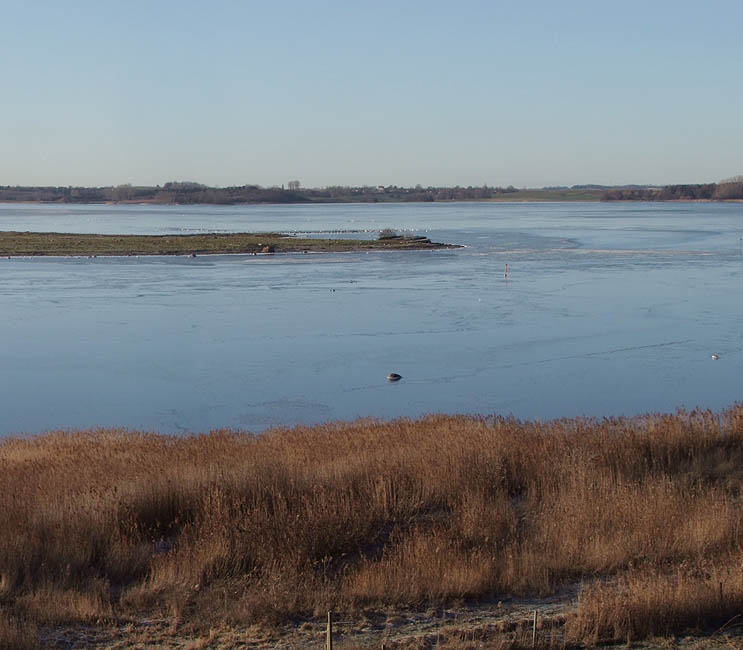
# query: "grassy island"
444, 532
37, 243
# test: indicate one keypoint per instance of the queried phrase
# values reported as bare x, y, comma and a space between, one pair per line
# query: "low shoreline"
498, 199
33, 244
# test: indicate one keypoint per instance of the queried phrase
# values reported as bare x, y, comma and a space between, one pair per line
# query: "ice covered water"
607, 309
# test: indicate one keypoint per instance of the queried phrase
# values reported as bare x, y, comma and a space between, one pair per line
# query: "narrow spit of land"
70, 244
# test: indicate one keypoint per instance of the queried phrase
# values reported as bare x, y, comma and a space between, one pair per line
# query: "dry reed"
232, 527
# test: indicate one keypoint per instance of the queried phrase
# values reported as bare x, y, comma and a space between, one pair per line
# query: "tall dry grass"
235, 527
17, 635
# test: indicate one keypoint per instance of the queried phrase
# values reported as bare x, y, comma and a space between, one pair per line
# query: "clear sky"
228, 92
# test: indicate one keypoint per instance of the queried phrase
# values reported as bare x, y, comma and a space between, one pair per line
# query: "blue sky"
438, 93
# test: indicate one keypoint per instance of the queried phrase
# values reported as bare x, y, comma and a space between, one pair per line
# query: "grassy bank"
642, 515
32, 243
546, 195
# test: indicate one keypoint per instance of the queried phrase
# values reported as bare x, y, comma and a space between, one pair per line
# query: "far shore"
192, 193
25, 244
520, 197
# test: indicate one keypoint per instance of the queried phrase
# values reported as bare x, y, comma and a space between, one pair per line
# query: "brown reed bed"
231, 528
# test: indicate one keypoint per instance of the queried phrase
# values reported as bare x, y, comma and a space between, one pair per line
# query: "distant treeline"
375, 194
189, 192
170, 193
729, 189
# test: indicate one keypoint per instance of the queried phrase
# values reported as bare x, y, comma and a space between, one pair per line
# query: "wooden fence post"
329, 637
534, 631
